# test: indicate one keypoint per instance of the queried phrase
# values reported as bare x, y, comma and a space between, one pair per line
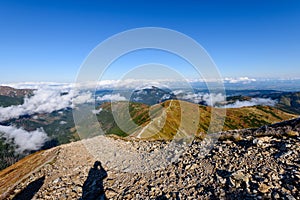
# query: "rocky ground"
245, 164
12, 92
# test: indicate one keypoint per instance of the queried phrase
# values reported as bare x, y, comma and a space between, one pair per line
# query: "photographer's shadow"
93, 186
30, 190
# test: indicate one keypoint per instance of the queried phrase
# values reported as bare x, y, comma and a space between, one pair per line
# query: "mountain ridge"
271, 152
171, 112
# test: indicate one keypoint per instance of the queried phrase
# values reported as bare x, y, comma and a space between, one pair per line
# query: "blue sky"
47, 40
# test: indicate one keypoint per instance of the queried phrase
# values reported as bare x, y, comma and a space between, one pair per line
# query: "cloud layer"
45, 100
24, 140
243, 80
212, 99
252, 102
53, 97
209, 99
111, 97
125, 83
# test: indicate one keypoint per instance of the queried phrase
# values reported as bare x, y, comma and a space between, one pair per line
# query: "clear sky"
47, 40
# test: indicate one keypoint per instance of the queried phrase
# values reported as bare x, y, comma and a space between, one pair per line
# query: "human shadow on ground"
30, 190
93, 186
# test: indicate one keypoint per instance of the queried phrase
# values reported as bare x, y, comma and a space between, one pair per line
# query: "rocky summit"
261, 163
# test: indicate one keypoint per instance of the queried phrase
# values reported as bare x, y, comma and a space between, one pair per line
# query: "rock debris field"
259, 163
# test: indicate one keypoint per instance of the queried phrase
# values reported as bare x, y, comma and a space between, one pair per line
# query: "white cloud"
82, 98
111, 97
252, 102
24, 140
137, 99
103, 84
196, 98
166, 97
243, 80
39, 85
45, 101
97, 111
210, 99
126, 83
177, 92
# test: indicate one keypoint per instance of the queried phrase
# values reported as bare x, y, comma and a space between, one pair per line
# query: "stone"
240, 176
110, 193
57, 180
222, 180
276, 195
263, 188
290, 197
194, 166
198, 173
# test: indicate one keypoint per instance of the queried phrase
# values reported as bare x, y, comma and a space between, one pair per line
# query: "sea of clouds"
111, 97
211, 99
252, 102
24, 140
49, 97
45, 99
126, 83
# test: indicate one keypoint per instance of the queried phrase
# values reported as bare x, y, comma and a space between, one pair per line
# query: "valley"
157, 114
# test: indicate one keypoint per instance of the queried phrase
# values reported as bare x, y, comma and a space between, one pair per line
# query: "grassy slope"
16, 173
290, 102
152, 125
139, 114
58, 134
6, 101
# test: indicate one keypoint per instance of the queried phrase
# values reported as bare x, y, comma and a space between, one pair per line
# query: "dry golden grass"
181, 118
16, 173
292, 134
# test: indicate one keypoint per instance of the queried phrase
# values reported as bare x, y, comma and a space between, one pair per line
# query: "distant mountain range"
163, 105
286, 101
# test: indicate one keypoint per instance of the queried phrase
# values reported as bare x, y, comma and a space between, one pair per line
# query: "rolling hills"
143, 123
175, 113
149, 108
287, 101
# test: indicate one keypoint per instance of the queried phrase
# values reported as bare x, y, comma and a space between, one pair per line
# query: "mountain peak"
152, 95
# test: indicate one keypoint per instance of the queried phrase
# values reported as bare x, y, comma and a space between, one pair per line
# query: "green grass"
7, 154
179, 112
268, 111
6, 101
